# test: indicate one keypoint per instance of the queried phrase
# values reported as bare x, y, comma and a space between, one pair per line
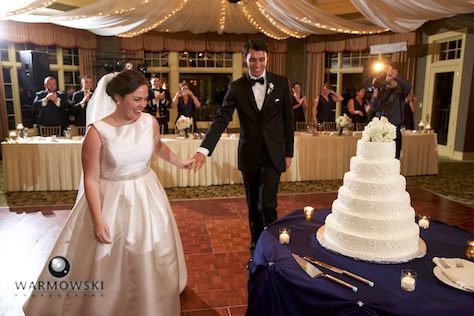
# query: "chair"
330, 126
360, 126
78, 130
50, 130
303, 126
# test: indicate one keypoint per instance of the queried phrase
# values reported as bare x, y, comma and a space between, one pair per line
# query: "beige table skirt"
47, 166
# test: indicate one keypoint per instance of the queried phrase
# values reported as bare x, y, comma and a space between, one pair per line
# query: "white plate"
443, 278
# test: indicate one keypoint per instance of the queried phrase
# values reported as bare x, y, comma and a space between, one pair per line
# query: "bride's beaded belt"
131, 176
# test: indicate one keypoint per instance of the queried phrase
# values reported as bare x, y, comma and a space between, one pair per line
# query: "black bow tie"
260, 80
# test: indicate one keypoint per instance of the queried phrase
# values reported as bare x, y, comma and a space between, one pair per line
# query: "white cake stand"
420, 253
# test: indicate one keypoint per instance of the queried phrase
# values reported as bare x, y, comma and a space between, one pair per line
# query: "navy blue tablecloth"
278, 286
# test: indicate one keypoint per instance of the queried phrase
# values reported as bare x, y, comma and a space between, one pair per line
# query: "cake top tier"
379, 130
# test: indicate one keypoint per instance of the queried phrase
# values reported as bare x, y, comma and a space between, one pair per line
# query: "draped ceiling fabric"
278, 19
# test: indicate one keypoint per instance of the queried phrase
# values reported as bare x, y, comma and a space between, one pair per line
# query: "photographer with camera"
388, 100
186, 102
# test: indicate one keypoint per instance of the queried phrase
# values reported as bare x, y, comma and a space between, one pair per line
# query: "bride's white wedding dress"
143, 271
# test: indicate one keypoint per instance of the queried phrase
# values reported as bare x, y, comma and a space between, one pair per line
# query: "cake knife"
314, 272
340, 271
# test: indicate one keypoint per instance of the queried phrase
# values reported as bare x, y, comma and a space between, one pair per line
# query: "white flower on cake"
343, 121
184, 122
379, 131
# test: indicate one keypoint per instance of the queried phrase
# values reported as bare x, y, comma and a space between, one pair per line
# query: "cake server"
314, 272
340, 271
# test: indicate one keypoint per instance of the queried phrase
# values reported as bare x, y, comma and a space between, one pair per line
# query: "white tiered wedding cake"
372, 218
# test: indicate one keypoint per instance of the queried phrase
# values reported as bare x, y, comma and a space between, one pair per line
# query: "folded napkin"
464, 277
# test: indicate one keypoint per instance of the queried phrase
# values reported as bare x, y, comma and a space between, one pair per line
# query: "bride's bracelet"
100, 220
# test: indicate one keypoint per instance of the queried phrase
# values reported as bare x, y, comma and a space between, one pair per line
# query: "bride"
119, 252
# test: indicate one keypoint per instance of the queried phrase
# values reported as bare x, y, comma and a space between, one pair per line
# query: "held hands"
199, 161
102, 232
188, 164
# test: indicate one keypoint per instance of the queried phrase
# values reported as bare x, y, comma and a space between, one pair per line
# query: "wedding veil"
99, 106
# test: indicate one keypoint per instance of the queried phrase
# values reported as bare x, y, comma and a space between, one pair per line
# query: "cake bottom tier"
385, 249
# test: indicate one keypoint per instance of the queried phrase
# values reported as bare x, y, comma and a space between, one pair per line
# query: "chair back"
78, 131
50, 130
303, 126
360, 126
330, 126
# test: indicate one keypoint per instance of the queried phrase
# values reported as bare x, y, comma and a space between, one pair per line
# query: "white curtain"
277, 19
407, 15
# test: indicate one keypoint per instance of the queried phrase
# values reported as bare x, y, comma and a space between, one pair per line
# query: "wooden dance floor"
215, 236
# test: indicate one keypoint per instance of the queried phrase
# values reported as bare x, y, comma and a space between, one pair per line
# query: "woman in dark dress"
186, 102
324, 103
299, 103
357, 106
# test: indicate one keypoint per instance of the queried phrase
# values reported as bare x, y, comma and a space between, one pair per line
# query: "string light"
155, 25
258, 27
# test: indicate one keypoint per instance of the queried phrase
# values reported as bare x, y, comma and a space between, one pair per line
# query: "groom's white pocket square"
277, 100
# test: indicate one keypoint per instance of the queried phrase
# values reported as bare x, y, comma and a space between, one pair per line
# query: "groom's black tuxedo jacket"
272, 126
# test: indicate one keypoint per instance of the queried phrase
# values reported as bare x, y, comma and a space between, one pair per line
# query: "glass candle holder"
308, 213
470, 249
408, 280
424, 221
284, 236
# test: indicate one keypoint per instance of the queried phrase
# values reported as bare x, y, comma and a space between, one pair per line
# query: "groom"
262, 100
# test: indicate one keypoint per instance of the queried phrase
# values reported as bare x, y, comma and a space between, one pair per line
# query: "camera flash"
378, 66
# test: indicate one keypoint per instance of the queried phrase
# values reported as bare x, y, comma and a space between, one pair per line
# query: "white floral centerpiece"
183, 124
343, 122
379, 130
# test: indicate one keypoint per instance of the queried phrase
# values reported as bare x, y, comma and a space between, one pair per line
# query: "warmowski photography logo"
59, 286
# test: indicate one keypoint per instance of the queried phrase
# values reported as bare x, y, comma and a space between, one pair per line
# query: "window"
205, 60
450, 49
157, 59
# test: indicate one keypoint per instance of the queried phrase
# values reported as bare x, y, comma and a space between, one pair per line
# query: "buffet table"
279, 286
42, 165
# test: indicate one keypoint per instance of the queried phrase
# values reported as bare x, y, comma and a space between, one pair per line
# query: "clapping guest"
299, 103
358, 106
324, 103
186, 102
159, 101
81, 100
52, 105
409, 110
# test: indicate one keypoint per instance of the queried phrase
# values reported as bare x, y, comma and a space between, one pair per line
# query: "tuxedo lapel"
268, 96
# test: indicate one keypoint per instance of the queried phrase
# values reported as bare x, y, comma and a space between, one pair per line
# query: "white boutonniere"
271, 86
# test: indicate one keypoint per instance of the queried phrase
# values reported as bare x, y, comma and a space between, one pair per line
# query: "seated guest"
52, 105
80, 100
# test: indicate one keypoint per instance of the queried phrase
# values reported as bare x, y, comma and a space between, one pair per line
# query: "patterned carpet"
454, 181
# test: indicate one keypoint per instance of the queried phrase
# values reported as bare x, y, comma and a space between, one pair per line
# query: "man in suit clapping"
80, 100
159, 101
52, 105
262, 100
